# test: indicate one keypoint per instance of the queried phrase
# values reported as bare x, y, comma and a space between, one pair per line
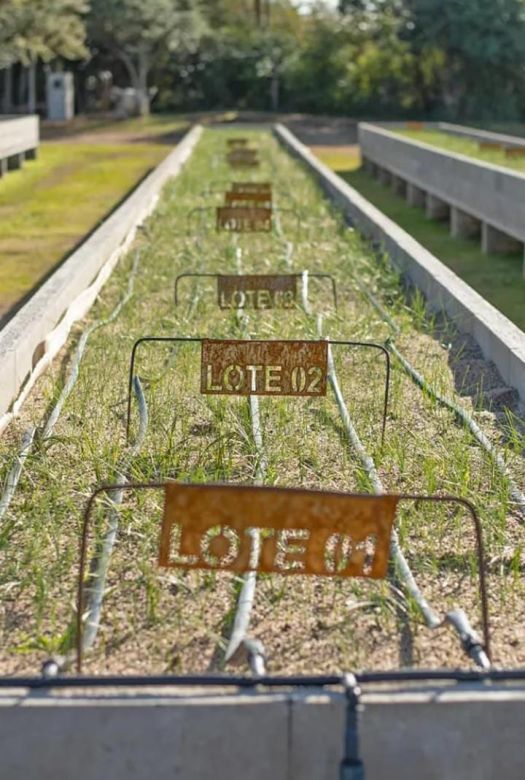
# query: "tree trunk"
274, 89
257, 9
31, 87
21, 87
143, 95
7, 101
139, 79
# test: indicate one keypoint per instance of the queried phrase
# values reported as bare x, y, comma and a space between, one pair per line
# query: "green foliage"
482, 46
41, 29
141, 34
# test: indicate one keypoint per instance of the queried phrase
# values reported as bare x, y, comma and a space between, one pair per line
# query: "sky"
330, 3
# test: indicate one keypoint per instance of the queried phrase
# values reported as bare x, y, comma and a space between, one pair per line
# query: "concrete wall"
35, 334
424, 733
19, 138
463, 131
499, 339
491, 194
474, 134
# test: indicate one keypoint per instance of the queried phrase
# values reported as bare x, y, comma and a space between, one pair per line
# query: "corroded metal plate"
515, 151
297, 368
243, 158
300, 531
234, 198
490, 146
257, 291
237, 143
244, 219
251, 186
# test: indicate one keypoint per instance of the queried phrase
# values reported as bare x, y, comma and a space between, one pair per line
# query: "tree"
32, 30
141, 32
483, 46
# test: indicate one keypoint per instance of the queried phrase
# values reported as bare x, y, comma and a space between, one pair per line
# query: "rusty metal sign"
301, 383
260, 187
234, 198
293, 368
515, 151
489, 146
303, 532
243, 158
241, 291
244, 219
257, 291
237, 143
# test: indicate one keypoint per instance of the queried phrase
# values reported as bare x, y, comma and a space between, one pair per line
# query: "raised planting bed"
19, 138
167, 620
481, 200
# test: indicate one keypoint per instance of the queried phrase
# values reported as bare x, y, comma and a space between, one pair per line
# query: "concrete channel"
479, 199
499, 339
457, 730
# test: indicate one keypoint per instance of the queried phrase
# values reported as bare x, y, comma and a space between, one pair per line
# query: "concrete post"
384, 176
495, 241
463, 225
3, 167
369, 167
15, 162
436, 208
416, 196
399, 186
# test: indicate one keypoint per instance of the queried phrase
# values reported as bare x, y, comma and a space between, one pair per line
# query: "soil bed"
158, 621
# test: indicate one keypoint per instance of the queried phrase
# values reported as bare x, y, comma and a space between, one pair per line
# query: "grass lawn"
498, 278
465, 146
49, 205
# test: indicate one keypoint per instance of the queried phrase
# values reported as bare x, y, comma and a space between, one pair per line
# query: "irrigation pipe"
246, 597
464, 418
28, 438
461, 415
99, 566
457, 618
16, 470
100, 563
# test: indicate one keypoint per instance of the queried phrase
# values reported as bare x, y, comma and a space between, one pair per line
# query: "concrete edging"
405, 733
32, 338
19, 138
499, 339
494, 195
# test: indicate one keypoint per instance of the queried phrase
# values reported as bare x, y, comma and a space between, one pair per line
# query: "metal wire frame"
200, 209
417, 498
197, 274
194, 339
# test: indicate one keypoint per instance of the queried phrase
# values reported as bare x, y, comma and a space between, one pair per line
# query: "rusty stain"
294, 368
257, 291
323, 511
251, 186
302, 531
243, 158
234, 198
244, 219
515, 151
489, 146
237, 143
